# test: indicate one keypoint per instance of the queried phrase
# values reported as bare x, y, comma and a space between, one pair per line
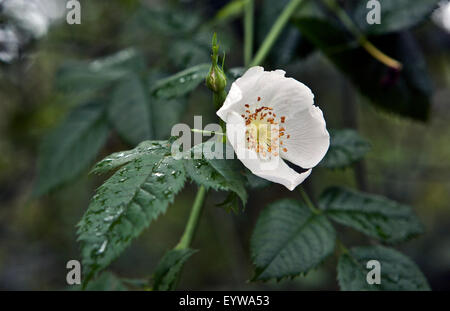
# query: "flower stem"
219, 98
194, 217
248, 31
274, 32
308, 201
362, 40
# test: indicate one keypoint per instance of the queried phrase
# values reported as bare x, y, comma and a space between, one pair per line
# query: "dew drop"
102, 248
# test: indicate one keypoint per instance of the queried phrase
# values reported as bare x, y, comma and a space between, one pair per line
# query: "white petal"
309, 139
250, 77
235, 95
275, 169
285, 95
284, 175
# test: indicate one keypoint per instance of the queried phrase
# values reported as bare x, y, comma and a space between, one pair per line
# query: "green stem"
248, 31
361, 38
194, 217
219, 98
342, 248
308, 201
274, 32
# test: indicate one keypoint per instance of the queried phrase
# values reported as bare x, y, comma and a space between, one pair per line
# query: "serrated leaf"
180, 83
125, 205
398, 272
129, 111
406, 92
395, 15
373, 215
346, 147
169, 268
121, 158
217, 174
71, 147
289, 239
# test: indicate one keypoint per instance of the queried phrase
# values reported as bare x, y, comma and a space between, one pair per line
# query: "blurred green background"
408, 162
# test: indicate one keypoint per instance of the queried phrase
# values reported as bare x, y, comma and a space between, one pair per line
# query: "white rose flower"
270, 118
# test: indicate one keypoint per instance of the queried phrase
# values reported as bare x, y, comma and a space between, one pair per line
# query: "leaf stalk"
248, 31
274, 32
193, 220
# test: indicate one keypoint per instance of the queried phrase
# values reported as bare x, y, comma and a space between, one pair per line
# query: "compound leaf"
125, 205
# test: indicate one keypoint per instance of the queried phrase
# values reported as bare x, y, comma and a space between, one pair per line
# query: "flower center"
265, 131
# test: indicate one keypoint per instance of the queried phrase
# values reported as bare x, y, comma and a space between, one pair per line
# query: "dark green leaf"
406, 92
125, 205
218, 174
346, 147
186, 53
121, 158
162, 21
165, 112
169, 268
289, 240
181, 83
256, 182
71, 148
395, 15
398, 272
129, 111
88, 77
231, 203
373, 215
